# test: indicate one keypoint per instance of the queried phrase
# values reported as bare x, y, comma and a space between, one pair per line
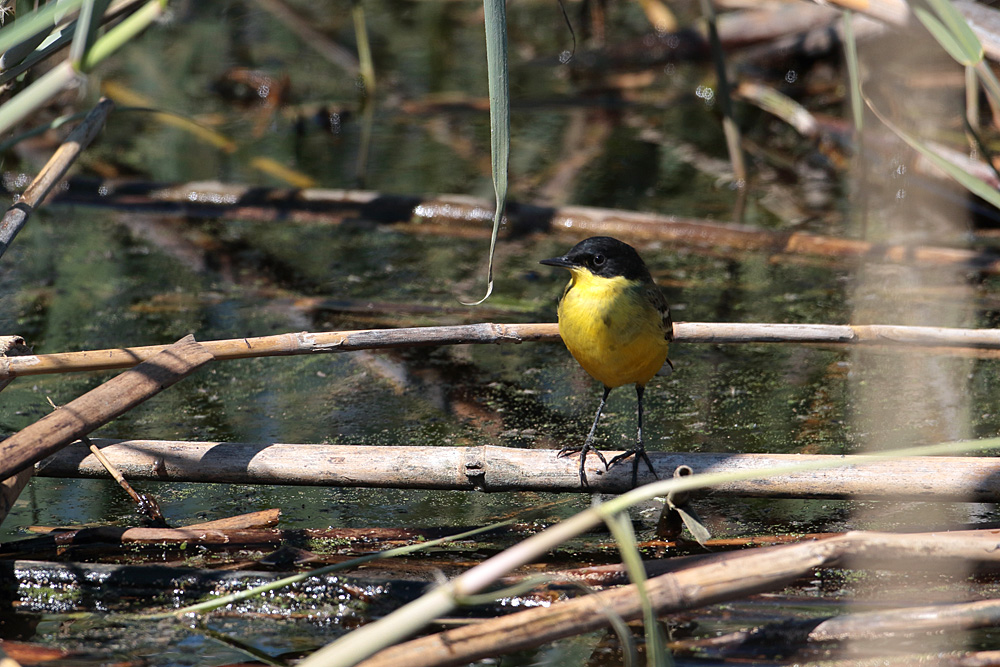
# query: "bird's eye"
598, 260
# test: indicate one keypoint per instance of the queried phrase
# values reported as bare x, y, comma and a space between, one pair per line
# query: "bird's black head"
603, 256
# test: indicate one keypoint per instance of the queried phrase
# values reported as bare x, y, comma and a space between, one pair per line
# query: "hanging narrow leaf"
496, 67
958, 50
853, 71
965, 179
964, 38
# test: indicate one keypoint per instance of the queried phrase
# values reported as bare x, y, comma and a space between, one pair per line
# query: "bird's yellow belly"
613, 333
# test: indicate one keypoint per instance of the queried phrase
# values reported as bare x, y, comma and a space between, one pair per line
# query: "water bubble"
791, 76
565, 57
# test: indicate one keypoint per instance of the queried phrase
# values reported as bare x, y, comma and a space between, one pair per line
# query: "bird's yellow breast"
612, 329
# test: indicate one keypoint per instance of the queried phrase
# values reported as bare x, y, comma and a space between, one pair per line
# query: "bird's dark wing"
656, 297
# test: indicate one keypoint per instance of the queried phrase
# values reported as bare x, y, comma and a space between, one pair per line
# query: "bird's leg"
586, 445
640, 448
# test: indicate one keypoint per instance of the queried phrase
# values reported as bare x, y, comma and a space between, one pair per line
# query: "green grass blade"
29, 100
967, 42
79, 46
499, 85
28, 25
87, 26
122, 33
38, 130
52, 43
367, 74
364, 49
656, 645
945, 38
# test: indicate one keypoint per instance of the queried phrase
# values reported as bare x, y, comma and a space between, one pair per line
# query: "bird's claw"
582, 450
637, 452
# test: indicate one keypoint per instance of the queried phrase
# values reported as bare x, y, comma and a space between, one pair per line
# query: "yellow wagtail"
616, 324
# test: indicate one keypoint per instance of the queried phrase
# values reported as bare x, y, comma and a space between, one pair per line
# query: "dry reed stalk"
729, 577
289, 344
937, 338
11, 487
100, 405
491, 468
53, 172
462, 215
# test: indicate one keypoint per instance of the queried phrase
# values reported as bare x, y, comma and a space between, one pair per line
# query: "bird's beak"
558, 261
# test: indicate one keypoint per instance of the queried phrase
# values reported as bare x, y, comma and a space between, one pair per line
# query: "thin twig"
145, 503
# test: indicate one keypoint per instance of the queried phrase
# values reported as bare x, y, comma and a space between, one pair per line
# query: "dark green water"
80, 279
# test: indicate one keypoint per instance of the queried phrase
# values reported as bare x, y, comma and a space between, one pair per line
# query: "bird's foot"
582, 449
637, 452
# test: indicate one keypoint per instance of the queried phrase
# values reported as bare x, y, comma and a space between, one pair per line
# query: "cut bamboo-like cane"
486, 333
53, 172
462, 215
100, 405
289, 344
490, 468
728, 577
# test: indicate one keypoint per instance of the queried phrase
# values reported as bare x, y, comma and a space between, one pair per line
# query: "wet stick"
100, 405
144, 503
451, 215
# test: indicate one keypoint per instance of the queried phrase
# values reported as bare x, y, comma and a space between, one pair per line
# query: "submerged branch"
491, 468
464, 216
